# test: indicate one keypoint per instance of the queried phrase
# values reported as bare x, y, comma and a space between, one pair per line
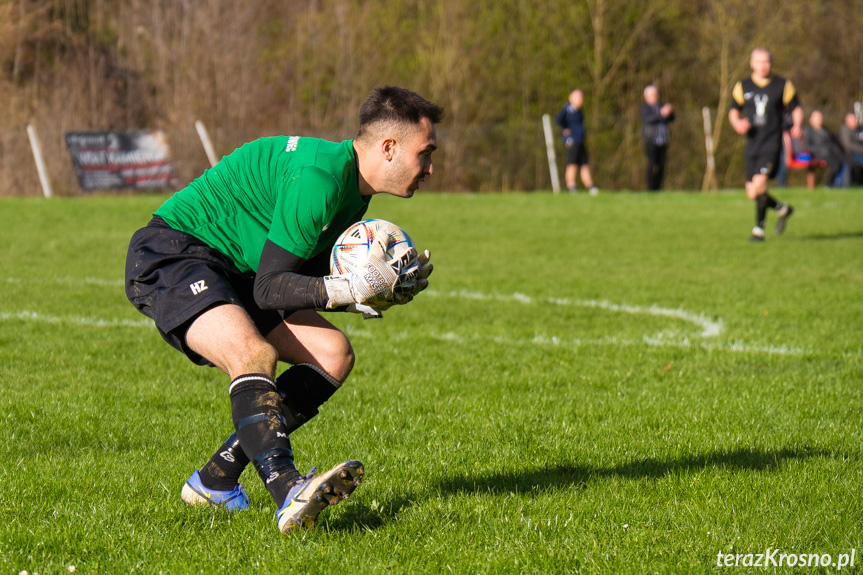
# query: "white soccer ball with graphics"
351, 251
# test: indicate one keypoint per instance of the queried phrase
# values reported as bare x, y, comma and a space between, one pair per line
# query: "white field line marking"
608, 341
26, 315
709, 328
75, 281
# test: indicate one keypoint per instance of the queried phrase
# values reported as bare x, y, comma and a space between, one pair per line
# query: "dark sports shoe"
312, 494
783, 213
757, 235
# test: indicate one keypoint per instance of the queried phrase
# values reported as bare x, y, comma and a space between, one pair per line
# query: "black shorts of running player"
765, 161
576, 154
173, 277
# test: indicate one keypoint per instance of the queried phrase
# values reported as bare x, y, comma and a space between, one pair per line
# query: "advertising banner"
121, 160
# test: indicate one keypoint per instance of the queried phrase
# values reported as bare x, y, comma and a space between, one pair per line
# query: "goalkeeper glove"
375, 280
411, 281
414, 279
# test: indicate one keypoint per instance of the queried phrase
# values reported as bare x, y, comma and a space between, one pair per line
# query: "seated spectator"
851, 140
822, 146
797, 157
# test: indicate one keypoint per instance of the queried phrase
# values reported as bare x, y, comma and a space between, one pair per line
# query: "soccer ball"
352, 247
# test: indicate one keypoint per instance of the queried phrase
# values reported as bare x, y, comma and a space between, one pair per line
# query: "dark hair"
395, 105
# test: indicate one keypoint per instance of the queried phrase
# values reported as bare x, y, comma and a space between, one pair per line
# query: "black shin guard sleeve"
760, 210
222, 472
256, 409
304, 389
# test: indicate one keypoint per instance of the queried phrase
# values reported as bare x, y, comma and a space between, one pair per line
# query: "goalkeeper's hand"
375, 281
412, 280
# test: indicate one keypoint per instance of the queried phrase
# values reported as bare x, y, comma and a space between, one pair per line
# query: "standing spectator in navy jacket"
655, 118
571, 119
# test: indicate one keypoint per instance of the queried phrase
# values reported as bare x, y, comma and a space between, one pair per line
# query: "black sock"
760, 210
772, 203
304, 389
222, 472
256, 408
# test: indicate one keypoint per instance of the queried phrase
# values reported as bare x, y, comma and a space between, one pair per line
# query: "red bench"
794, 162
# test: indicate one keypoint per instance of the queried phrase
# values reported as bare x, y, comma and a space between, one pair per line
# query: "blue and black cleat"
194, 493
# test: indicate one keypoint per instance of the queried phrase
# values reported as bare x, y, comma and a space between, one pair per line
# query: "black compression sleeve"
279, 285
318, 266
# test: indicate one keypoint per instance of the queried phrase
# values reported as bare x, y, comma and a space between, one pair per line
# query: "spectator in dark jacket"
571, 119
822, 146
655, 118
851, 140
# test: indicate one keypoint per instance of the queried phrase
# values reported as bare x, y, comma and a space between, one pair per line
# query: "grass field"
610, 384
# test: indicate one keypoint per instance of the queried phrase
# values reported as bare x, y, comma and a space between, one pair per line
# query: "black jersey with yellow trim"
764, 104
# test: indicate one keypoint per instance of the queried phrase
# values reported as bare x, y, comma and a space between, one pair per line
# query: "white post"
205, 140
549, 150
709, 182
40, 162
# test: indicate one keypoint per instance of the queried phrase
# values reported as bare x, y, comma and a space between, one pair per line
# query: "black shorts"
764, 160
576, 154
173, 277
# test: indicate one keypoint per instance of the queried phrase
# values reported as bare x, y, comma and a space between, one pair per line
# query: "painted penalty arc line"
609, 341
448, 337
709, 327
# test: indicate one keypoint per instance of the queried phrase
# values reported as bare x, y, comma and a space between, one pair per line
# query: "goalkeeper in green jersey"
234, 269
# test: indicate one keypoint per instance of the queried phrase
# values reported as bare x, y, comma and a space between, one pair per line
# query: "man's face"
576, 99
411, 161
760, 63
651, 96
851, 121
816, 120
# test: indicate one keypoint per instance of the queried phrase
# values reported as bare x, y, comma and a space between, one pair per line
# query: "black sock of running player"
256, 409
772, 203
304, 388
222, 472
760, 210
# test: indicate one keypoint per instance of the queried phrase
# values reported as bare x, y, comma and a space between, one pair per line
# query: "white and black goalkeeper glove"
374, 281
412, 280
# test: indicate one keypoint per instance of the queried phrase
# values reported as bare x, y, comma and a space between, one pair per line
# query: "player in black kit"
758, 105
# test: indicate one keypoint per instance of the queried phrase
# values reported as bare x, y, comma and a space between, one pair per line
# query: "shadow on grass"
371, 516
839, 236
574, 475
367, 516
